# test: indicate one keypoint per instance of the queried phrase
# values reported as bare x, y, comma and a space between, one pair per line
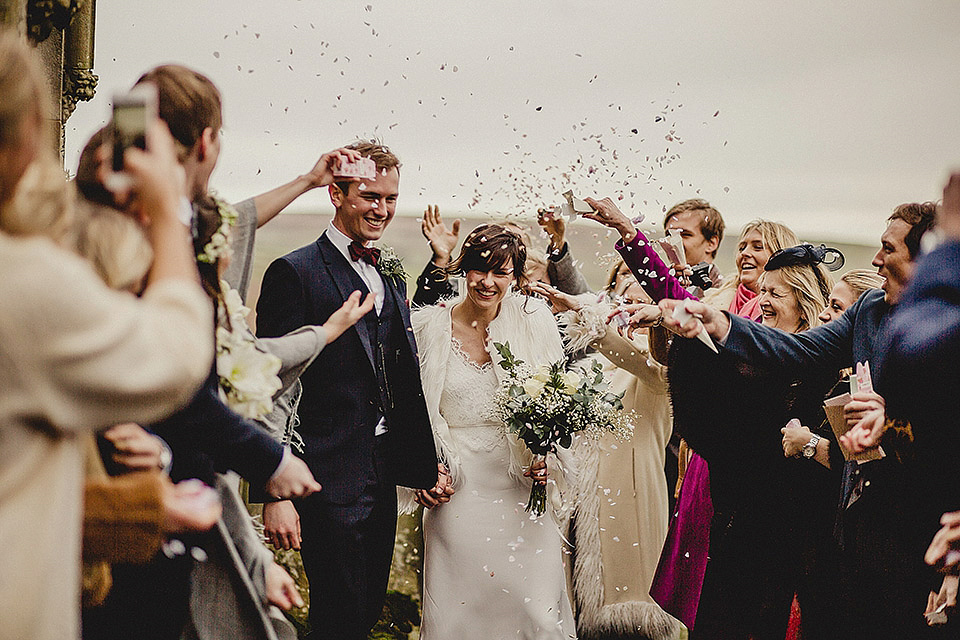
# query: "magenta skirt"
683, 561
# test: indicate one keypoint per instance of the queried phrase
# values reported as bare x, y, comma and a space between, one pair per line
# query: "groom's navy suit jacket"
342, 400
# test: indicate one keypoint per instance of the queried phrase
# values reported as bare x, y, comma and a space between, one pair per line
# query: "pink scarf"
746, 304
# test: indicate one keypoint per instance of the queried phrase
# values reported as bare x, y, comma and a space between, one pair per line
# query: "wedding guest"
701, 230
848, 290
919, 374
620, 523
77, 356
362, 416
676, 587
768, 509
490, 571
885, 587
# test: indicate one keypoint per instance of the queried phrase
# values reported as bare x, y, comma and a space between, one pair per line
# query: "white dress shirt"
367, 272
370, 276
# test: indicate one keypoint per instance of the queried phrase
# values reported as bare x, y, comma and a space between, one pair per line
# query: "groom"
362, 415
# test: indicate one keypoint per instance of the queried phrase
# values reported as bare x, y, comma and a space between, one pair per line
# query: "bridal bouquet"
545, 406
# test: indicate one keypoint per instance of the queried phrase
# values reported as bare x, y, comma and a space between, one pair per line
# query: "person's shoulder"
423, 316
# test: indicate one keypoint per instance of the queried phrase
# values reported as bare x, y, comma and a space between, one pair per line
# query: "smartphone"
132, 114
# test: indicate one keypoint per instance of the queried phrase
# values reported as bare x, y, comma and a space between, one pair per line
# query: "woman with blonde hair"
75, 355
851, 286
770, 511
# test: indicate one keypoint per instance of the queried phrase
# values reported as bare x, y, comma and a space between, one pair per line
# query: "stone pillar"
62, 31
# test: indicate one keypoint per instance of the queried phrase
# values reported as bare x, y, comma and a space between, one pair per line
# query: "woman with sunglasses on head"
772, 513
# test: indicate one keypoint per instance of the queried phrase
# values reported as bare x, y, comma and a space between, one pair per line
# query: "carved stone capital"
43, 16
78, 85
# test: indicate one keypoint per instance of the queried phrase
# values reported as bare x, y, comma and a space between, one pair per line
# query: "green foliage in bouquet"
545, 406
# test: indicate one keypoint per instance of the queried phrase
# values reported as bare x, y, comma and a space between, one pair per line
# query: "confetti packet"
363, 168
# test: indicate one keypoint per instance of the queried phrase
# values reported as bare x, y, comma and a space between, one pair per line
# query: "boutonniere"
390, 265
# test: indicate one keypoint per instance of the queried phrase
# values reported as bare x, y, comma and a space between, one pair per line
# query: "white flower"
571, 380
533, 386
543, 373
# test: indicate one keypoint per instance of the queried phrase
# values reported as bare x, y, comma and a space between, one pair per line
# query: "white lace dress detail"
490, 570
467, 402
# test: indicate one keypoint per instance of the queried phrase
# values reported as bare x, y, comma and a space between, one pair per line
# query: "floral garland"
219, 245
248, 376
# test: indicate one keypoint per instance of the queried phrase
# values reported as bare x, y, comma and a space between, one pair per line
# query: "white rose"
533, 386
571, 380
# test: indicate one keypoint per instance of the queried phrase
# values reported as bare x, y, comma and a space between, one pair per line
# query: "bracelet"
659, 320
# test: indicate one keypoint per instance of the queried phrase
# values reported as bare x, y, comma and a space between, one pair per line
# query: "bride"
490, 569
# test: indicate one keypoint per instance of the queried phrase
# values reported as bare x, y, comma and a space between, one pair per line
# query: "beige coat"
621, 522
74, 356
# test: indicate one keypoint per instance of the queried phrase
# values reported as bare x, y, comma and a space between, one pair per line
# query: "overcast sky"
820, 114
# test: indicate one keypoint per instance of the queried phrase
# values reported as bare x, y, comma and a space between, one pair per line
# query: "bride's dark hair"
490, 247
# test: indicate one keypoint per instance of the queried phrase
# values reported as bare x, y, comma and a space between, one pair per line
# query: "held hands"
292, 479
442, 240
794, 439
347, 315
440, 493
609, 215
555, 227
281, 589
281, 525
324, 171
135, 449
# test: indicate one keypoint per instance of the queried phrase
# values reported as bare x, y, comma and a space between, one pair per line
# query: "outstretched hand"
324, 171
347, 315
555, 227
640, 316
608, 214
559, 301
715, 322
442, 240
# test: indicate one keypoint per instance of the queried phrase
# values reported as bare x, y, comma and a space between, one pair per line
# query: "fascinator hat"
806, 254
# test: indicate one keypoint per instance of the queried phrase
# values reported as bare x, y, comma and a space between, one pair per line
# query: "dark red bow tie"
370, 255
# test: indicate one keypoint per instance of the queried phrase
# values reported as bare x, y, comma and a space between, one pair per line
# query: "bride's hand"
538, 471
440, 493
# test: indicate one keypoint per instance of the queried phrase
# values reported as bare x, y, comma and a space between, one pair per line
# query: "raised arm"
272, 202
637, 252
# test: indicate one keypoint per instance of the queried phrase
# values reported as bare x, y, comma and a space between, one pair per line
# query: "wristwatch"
810, 449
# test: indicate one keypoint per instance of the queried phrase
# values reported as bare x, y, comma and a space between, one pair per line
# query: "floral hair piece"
219, 245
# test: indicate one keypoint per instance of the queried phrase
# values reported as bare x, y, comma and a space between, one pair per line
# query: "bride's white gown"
490, 570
